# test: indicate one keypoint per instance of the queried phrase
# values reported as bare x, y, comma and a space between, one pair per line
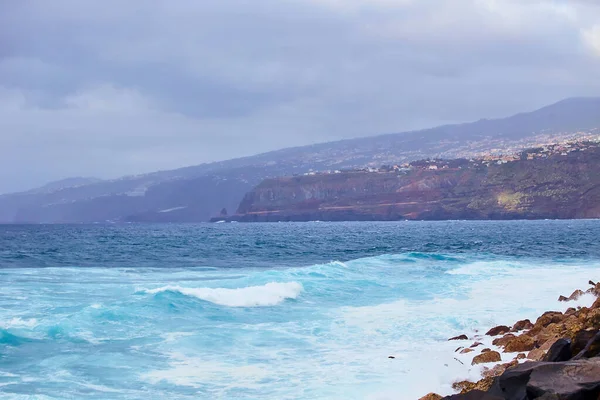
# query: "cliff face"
560, 186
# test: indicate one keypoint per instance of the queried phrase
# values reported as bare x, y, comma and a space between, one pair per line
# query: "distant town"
541, 146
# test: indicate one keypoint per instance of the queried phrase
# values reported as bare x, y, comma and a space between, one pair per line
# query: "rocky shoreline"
556, 357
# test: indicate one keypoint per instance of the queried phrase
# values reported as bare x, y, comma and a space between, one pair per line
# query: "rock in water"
487, 357
520, 344
559, 351
575, 295
523, 324
461, 337
503, 340
498, 330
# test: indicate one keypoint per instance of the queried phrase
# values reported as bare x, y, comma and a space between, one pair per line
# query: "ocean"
271, 311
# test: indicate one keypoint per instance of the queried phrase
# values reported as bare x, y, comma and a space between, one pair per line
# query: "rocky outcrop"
563, 359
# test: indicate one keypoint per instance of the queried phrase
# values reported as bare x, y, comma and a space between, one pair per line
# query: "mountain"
199, 192
64, 184
552, 182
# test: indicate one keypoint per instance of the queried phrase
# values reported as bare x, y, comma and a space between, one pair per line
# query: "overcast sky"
112, 87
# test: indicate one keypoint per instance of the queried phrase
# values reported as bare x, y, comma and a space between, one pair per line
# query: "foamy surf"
271, 294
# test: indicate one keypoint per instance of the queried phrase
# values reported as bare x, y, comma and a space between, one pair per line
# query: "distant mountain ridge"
197, 193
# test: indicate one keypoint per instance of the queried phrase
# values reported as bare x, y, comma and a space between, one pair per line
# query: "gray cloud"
107, 88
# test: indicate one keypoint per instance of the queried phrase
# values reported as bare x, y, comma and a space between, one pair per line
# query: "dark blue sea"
271, 311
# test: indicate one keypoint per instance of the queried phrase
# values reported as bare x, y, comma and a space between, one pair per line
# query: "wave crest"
270, 294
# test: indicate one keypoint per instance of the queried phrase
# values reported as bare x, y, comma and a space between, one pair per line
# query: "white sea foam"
270, 294
416, 332
18, 322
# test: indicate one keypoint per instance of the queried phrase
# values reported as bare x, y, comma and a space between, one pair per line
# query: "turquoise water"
281, 311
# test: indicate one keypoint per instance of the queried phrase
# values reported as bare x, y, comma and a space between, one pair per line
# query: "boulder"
591, 349
591, 283
498, 330
581, 340
562, 298
550, 317
575, 295
476, 344
559, 351
465, 351
521, 325
570, 311
520, 356
468, 386
474, 395
536, 354
488, 357
595, 290
499, 369
486, 350
520, 344
503, 340
568, 380
461, 337
431, 396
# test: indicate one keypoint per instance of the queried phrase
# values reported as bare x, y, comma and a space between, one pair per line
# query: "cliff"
555, 186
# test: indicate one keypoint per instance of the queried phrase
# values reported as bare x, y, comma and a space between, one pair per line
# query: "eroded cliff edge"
555, 186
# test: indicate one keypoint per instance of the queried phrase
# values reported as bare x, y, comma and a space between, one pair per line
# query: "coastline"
559, 349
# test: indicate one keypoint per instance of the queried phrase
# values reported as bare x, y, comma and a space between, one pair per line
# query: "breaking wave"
270, 294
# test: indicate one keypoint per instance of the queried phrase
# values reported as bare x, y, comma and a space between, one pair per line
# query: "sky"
110, 88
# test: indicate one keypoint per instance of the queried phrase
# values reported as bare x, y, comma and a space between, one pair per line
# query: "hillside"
197, 193
538, 186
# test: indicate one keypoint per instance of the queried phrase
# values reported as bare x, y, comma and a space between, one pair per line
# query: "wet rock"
520, 344
570, 311
391, 357
468, 386
486, 350
465, 351
476, 344
562, 298
499, 369
536, 354
431, 396
498, 330
592, 283
595, 290
474, 395
461, 337
458, 349
550, 317
559, 351
521, 325
596, 304
503, 340
581, 340
575, 295
569, 380
488, 357
591, 349
520, 356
